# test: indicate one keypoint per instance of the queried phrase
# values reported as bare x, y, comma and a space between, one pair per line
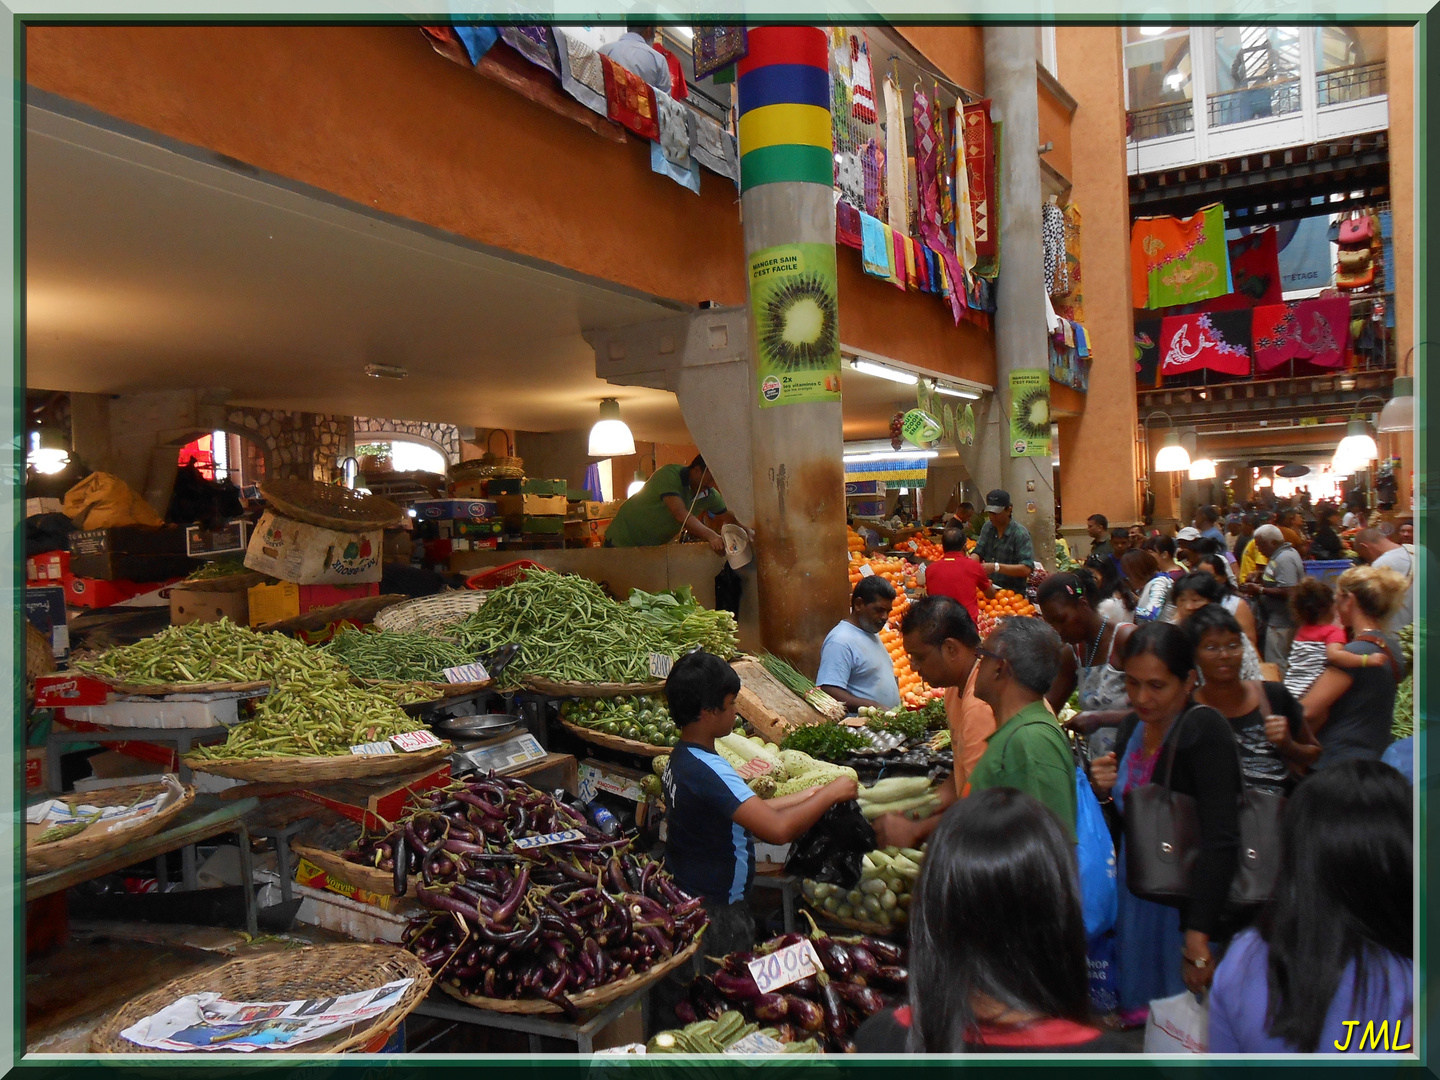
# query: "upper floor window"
1349, 63
1257, 73
1159, 80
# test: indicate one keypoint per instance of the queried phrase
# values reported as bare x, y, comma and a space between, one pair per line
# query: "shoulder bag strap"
1375, 639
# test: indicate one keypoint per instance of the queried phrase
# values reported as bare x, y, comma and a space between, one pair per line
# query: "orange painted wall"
958, 52
375, 116
1055, 128
1400, 63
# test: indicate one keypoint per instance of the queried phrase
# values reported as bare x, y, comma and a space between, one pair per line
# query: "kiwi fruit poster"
793, 300
1030, 412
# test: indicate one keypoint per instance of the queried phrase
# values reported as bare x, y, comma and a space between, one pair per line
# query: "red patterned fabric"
979, 139
679, 90
1219, 341
1255, 267
1316, 331
630, 100
847, 226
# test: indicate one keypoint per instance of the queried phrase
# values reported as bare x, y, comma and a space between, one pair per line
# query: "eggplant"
893, 975
805, 1014
886, 952
769, 1008
736, 987
835, 957
862, 961
806, 987
685, 1012
861, 998
837, 1025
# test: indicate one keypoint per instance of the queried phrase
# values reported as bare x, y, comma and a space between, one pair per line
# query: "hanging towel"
874, 247
942, 165
1216, 340
912, 282
535, 43
848, 228
581, 74
873, 163
716, 47
715, 148
685, 177
1255, 267
964, 214
862, 82
927, 187
678, 89
675, 133
1316, 331
980, 146
1179, 260
896, 194
897, 257
478, 40
1052, 238
1082, 342
630, 100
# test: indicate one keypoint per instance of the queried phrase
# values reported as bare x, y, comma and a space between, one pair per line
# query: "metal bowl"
479, 727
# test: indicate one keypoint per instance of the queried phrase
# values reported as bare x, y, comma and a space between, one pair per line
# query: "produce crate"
537, 505
455, 509
373, 803
45, 610
127, 566
99, 593
271, 603
209, 605
504, 485
129, 540
51, 566
532, 486
68, 688
533, 525
232, 537
311, 555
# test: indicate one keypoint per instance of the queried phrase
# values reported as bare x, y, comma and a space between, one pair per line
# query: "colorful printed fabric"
943, 167
1316, 331
679, 90
873, 163
897, 266
1255, 267
988, 266
912, 279
850, 176
536, 44
1179, 260
862, 82
1219, 341
630, 100
980, 144
1072, 305
1147, 353
964, 214
1052, 239
932, 230
784, 85
674, 138
1068, 368
716, 47
848, 226
715, 148
1082, 342
582, 76
875, 255
897, 189
478, 40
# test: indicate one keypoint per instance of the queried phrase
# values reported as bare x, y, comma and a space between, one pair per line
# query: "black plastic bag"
833, 848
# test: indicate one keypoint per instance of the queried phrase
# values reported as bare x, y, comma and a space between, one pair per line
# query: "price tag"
866, 570
526, 843
466, 673
785, 966
756, 1043
660, 665
756, 766
410, 741
372, 749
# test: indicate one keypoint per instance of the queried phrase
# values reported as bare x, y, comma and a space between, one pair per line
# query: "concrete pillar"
1010, 82
787, 197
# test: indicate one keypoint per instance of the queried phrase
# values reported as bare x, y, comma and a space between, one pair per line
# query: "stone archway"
444, 438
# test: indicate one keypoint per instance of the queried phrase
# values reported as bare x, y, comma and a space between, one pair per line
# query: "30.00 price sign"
785, 966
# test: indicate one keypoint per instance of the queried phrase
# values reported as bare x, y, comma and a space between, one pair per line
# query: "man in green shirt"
1018, 662
1004, 547
668, 502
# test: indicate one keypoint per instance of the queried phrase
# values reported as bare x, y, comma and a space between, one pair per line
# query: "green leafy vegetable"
827, 740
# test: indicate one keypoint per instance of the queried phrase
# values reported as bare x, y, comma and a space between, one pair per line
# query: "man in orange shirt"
957, 575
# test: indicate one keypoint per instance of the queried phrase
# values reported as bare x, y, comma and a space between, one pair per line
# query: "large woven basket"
319, 769
167, 689
588, 690
431, 614
329, 505
319, 971
616, 742
380, 882
43, 858
590, 999
859, 926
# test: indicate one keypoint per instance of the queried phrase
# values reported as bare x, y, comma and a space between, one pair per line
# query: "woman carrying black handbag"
1162, 950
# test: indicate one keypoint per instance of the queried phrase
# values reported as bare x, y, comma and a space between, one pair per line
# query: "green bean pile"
568, 630
402, 656
321, 716
210, 652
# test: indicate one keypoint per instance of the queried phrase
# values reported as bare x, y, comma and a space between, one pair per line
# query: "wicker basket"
318, 971
361, 610
552, 688
42, 858
430, 614
320, 769
380, 882
616, 742
328, 505
166, 689
859, 926
590, 999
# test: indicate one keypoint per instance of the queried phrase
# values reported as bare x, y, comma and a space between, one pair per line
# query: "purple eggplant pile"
549, 922
861, 976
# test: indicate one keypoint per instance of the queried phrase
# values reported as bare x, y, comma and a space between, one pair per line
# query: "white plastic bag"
1178, 1025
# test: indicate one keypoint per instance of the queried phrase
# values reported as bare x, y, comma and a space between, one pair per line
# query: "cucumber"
894, 788
913, 854
899, 806
873, 887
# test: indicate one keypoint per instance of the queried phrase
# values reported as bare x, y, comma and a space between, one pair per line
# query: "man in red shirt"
957, 575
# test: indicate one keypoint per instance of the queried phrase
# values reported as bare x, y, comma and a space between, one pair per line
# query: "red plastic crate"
318, 596
497, 576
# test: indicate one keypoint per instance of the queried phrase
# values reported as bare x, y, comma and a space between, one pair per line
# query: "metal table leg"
160, 874
247, 878
187, 867
787, 904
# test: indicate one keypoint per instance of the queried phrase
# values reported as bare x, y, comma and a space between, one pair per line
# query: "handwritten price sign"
756, 1044
756, 766
785, 966
411, 741
372, 749
660, 665
526, 843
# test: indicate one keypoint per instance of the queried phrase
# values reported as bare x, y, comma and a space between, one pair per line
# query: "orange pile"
896, 571
853, 540
1005, 604
914, 692
924, 547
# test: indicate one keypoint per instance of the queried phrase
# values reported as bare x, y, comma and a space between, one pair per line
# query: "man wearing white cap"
1185, 545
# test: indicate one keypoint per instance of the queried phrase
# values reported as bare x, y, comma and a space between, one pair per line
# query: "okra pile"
210, 652
547, 922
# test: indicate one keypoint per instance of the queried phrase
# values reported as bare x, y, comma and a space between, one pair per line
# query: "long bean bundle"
570, 631
401, 656
211, 652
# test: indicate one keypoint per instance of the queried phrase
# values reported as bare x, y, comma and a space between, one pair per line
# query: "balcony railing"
1254, 102
1352, 83
1160, 120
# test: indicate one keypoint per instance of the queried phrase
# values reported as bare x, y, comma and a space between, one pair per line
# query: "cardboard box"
129, 540
231, 538
68, 688
469, 489
99, 593
864, 487
318, 596
51, 566
590, 510
597, 776
45, 609
473, 530
531, 525
503, 485
35, 778
455, 509
312, 877
543, 505
592, 533
126, 566
533, 486
208, 605
271, 603
309, 555
375, 803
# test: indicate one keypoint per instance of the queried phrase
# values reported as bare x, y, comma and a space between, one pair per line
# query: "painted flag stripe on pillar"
785, 133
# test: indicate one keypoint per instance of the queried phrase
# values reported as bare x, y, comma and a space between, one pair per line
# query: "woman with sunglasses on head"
1276, 747
1162, 951
1198, 589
